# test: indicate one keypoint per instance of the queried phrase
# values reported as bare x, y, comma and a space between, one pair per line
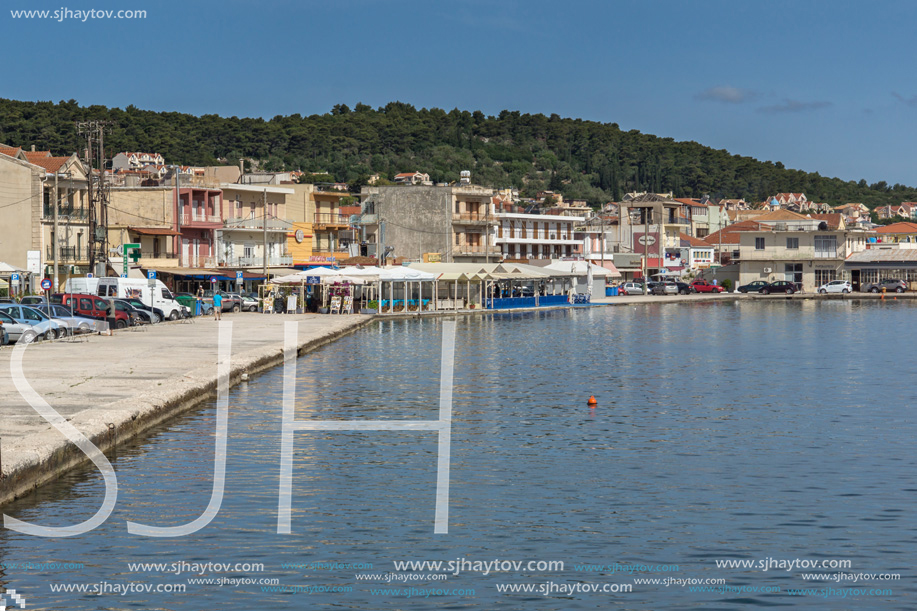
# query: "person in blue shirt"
217, 306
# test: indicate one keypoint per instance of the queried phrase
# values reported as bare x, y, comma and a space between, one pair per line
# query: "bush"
727, 284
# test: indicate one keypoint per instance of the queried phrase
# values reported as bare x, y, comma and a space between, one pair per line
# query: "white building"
537, 236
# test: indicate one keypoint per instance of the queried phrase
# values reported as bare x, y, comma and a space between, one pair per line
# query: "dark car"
232, 302
753, 287
32, 300
781, 286
684, 288
891, 286
137, 317
156, 314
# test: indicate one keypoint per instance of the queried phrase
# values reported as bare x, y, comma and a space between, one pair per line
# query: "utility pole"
264, 239
54, 242
178, 213
98, 193
646, 233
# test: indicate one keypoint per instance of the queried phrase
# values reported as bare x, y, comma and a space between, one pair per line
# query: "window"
792, 243
793, 272
824, 276
166, 294
825, 247
759, 243
86, 304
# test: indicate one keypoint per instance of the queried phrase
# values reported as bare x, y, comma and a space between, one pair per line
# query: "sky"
821, 85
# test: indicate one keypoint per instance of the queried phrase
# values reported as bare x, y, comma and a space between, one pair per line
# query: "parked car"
632, 288
32, 300
664, 288
249, 304
702, 286
138, 317
156, 314
232, 302
781, 286
836, 286
17, 331
90, 306
684, 288
753, 287
47, 328
79, 324
892, 286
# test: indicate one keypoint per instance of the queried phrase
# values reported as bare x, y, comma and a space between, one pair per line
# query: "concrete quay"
115, 388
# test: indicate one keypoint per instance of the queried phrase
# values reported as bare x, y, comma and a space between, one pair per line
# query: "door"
855, 279
195, 249
186, 252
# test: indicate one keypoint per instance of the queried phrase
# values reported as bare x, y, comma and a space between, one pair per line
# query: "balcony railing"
788, 254
258, 223
471, 217
327, 218
68, 253
475, 249
65, 213
274, 261
187, 219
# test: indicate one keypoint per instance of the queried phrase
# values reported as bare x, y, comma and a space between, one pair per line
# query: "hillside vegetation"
582, 159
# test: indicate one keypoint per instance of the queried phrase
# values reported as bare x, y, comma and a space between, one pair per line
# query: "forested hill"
582, 159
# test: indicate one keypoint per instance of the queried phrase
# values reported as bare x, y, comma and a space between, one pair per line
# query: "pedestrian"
200, 301
217, 306
110, 315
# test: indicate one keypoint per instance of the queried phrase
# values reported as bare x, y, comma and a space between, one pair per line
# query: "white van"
157, 296
83, 286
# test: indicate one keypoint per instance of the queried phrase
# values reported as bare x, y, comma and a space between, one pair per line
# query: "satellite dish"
823, 226
120, 251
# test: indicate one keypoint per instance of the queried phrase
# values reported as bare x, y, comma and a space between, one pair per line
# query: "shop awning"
153, 230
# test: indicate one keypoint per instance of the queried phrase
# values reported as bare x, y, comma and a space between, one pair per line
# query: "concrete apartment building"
38, 187
456, 223
807, 250
521, 236
255, 226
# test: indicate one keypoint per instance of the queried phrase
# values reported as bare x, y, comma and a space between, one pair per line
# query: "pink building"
198, 216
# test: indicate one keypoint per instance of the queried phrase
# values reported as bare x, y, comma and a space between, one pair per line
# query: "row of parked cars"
83, 307
670, 287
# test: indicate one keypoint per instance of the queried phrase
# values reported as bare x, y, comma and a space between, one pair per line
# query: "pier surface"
114, 388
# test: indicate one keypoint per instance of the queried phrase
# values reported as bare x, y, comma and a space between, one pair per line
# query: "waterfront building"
36, 185
453, 223
255, 229
807, 250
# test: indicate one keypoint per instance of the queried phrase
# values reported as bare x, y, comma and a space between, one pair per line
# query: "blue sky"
823, 86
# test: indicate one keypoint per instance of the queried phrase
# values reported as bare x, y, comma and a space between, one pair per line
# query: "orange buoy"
592, 401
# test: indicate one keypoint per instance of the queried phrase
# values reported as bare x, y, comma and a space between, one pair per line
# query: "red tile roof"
730, 234
898, 228
833, 219
10, 151
33, 155
692, 241
51, 164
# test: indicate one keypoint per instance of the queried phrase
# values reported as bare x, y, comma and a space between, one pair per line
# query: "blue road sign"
151, 275
15, 277
46, 284
238, 276
124, 275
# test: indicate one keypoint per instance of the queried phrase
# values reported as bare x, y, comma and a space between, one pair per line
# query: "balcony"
475, 249
471, 218
191, 219
369, 219
68, 254
275, 261
788, 254
65, 213
249, 224
326, 220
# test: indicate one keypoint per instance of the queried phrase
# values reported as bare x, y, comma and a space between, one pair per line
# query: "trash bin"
197, 307
611, 291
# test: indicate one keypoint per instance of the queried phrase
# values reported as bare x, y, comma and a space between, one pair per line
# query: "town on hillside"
233, 230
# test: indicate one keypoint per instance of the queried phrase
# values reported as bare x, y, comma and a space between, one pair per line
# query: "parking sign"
15, 278
238, 276
151, 275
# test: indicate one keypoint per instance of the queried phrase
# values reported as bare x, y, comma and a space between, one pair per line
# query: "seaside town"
278, 241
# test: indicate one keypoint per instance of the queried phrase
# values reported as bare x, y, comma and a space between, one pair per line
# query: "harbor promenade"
115, 388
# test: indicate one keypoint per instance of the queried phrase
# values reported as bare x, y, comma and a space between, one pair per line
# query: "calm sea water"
742, 431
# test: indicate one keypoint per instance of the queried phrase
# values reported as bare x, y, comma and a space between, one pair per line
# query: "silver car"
79, 324
49, 329
18, 331
632, 288
836, 286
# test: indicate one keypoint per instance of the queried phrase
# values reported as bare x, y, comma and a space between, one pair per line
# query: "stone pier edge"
43, 457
